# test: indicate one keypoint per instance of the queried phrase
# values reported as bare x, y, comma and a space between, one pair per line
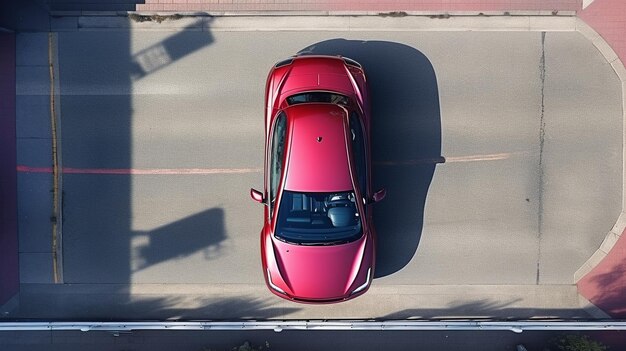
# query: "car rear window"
318, 96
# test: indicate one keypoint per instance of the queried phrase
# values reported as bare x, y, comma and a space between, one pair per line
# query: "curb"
237, 301
55, 122
311, 22
609, 241
394, 14
618, 67
615, 233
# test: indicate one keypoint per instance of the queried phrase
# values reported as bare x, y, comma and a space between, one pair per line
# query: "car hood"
320, 272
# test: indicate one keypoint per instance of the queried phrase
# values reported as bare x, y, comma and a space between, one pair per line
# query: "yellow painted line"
55, 163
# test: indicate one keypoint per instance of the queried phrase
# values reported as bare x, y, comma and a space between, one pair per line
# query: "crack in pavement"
542, 135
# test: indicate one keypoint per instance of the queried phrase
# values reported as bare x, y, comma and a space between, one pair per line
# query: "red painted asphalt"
608, 18
605, 285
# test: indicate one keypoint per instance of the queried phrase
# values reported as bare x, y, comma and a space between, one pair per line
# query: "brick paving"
608, 18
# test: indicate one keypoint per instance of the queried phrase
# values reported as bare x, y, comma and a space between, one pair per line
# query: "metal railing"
277, 326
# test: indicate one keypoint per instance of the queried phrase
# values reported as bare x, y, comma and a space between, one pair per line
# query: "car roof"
317, 159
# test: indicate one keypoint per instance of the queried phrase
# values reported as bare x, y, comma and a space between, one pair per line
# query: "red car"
318, 239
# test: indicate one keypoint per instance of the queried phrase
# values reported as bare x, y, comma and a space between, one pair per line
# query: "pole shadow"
406, 139
164, 53
203, 231
97, 122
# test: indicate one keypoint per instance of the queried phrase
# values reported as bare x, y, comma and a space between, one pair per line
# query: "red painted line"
135, 171
419, 161
450, 159
180, 171
27, 169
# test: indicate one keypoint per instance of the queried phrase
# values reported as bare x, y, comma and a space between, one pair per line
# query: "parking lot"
500, 151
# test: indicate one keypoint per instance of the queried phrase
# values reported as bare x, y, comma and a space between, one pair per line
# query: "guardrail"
278, 326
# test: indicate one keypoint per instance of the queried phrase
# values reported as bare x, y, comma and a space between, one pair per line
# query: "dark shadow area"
611, 290
222, 308
288, 340
174, 48
406, 139
9, 244
97, 119
99, 247
24, 15
93, 5
488, 310
104, 304
202, 231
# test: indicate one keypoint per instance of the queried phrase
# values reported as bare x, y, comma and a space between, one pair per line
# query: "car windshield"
318, 96
318, 218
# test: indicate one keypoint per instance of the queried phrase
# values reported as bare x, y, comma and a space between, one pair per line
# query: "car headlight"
367, 281
272, 285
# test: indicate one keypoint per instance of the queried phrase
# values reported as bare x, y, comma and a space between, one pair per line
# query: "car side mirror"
379, 195
257, 196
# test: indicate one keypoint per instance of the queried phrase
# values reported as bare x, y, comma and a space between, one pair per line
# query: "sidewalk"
437, 6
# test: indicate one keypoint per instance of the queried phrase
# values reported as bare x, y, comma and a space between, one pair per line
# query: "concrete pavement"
611, 59
603, 22
486, 300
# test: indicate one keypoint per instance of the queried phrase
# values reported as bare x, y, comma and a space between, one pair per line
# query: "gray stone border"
615, 233
315, 22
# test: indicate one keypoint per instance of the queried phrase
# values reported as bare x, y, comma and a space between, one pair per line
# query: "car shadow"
406, 139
